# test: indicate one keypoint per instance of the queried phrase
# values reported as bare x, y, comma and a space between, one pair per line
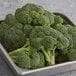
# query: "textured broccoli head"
48, 48
27, 57
72, 32
63, 42
42, 31
21, 57
10, 20
64, 31
35, 58
41, 20
13, 37
33, 7
50, 16
26, 14
42, 60
34, 14
58, 20
23, 16
71, 29
27, 29
42, 40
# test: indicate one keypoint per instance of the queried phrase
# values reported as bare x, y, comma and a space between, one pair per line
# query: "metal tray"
45, 71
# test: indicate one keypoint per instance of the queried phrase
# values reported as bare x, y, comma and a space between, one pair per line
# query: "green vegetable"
35, 37
27, 57
41, 40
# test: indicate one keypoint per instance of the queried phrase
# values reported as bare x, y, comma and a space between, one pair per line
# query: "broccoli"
27, 57
35, 38
72, 32
33, 14
45, 20
41, 40
33, 7
46, 45
23, 16
64, 31
21, 57
71, 54
58, 20
42, 60
15, 36
41, 31
50, 16
10, 20
27, 29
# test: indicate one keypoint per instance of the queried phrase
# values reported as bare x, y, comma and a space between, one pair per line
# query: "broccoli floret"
33, 7
63, 42
14, 37
42, 60
64, 31
43, 41
35, 15
72, 32
50, 16
48, 48
58, 20
42, 31
41, 20
26, 14
27, 29
27, 57
35, 58
21, 57
45, 20
23, 16
10, 20
71, 54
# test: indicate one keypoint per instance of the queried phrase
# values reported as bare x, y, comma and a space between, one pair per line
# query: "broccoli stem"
27, 43
50, 59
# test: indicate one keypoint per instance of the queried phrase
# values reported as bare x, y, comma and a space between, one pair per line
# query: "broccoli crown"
72, 32
10, 20
27, 57
42, 60
50, 16
27, 29
35, 58
23, 16
21, 57
13, 37
44, 42
64, 31
58, 19
34, 14
33, 7
35, 38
